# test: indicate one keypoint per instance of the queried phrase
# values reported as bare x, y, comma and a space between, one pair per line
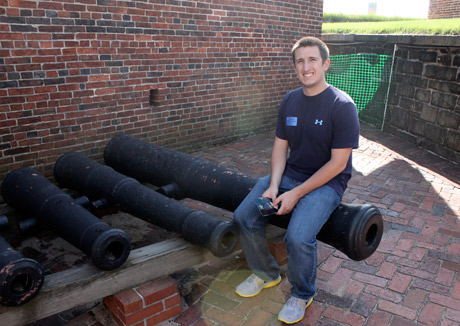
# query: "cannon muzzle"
20, 278
356, 230
76, 171
30, 192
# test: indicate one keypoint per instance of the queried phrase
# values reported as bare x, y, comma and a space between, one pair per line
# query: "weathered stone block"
429, 113
441, 73
417, 127
425, 56
403, 53
405, 90
411, 67
445, 87
456, 61
423, 95
402, 78
449, 119
415, 113
394, 99
436, 134
443, 100
406, 103
453, 140
445, 60
418, 81
398, 117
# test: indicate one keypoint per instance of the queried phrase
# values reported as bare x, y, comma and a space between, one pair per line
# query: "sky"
388, 8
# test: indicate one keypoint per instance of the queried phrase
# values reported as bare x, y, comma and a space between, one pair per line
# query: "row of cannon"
130, 164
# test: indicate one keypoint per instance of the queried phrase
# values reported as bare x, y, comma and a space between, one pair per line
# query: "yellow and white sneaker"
253, 285
293, 310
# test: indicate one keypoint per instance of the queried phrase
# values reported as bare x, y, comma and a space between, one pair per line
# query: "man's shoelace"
293, 302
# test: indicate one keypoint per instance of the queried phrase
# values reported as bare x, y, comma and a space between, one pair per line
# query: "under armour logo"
319, 122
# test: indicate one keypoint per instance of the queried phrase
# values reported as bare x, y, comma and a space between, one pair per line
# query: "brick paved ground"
412, 279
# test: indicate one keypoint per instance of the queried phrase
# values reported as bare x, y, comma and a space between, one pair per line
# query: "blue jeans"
308, 216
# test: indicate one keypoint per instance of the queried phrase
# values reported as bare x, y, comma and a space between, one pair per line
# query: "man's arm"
337, 163
278, 164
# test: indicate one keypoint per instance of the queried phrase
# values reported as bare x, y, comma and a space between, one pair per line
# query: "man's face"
310, 69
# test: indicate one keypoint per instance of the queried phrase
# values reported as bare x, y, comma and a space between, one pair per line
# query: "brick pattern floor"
412, 279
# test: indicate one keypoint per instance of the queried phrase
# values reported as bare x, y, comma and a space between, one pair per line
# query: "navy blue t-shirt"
313, 125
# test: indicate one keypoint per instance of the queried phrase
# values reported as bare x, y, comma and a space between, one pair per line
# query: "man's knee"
296, 242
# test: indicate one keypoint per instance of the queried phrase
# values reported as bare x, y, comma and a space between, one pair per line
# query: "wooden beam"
84, 284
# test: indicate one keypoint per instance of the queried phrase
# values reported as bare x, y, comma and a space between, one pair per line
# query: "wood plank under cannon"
80, 285
84, 284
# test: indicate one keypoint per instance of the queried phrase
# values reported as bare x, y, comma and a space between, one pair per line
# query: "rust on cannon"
20, 278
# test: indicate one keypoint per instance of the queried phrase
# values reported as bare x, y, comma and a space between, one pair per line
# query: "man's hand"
337, 163
288, 201
271, 193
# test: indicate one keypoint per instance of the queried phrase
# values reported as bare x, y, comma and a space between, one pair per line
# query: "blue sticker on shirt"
291, 121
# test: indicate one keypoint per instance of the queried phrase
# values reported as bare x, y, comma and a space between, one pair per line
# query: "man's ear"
326, 64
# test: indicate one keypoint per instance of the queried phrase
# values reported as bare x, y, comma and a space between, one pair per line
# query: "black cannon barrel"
178, 174
356, 230
20, 278
76, 171
29, 191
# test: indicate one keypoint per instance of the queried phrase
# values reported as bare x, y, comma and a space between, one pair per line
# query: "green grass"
339, 18
417, 26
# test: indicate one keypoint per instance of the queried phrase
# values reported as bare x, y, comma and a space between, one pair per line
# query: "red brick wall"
444, 9
183, 74
148, 304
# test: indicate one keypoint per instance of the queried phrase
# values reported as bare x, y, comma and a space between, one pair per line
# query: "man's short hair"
311, 41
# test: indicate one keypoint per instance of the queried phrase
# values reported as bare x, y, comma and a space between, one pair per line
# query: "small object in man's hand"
265, 206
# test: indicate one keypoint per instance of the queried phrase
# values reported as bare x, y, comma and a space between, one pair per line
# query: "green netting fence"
366, 77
